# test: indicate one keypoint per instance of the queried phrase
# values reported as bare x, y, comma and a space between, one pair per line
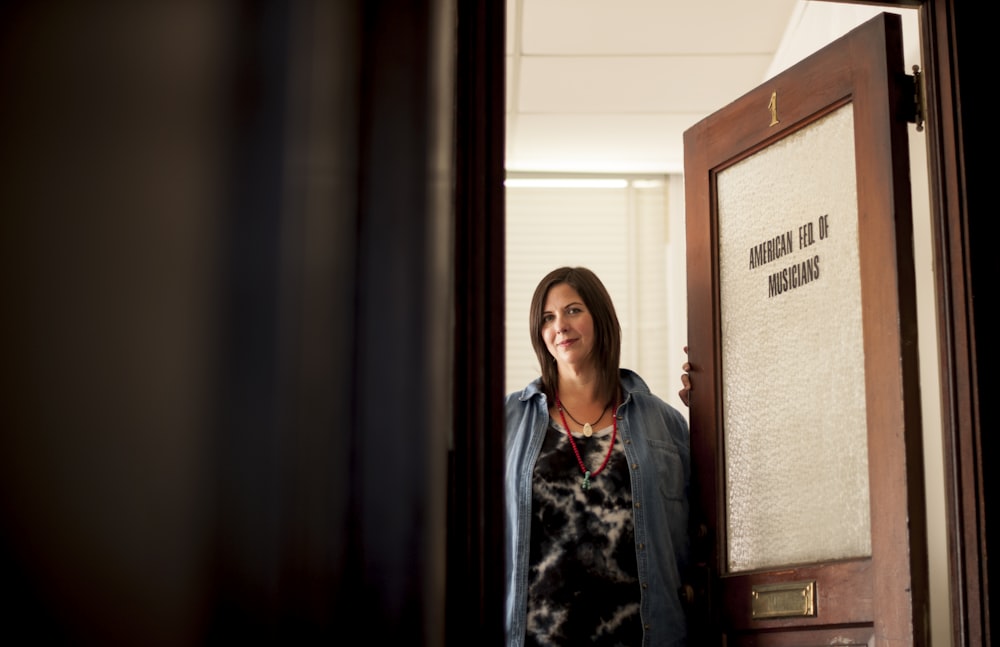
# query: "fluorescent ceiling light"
566, 183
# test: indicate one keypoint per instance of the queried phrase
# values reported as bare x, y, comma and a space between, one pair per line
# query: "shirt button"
635, 466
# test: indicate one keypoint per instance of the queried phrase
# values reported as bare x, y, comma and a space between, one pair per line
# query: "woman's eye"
547, 318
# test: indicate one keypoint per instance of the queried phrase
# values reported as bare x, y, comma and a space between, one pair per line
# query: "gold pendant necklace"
588, 428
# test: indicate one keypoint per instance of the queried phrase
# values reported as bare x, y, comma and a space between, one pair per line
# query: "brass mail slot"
785, 600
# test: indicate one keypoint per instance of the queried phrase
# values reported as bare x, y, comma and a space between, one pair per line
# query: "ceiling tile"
636, 84
653, 26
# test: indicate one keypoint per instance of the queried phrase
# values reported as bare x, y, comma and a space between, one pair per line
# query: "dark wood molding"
476, 526
955, 122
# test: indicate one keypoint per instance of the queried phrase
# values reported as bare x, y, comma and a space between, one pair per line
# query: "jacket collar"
631, 383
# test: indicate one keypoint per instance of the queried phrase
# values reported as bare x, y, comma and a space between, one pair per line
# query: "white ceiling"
599, 86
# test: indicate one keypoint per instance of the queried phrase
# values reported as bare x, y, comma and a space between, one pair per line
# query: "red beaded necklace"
583, 468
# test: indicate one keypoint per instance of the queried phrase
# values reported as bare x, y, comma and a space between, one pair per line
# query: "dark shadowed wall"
227, 239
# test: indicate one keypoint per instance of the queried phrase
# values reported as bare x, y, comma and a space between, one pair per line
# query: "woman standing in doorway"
597, 475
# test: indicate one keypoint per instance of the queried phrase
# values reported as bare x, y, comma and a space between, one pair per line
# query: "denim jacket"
656, 442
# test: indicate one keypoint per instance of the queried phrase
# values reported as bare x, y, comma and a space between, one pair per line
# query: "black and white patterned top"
582, 583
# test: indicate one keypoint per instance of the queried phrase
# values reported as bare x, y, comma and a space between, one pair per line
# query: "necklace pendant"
588, 431
586, 480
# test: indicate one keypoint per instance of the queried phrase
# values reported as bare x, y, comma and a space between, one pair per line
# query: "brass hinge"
917, 113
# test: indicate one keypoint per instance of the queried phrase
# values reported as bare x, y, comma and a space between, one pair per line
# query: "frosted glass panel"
793, 390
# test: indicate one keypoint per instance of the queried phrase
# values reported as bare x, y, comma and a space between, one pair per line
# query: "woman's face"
567, 326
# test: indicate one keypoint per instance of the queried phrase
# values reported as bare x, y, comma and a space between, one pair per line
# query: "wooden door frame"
952, 122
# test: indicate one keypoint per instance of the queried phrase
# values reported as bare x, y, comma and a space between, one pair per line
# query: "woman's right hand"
685, 392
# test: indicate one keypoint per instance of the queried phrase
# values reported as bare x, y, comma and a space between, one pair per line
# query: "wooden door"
808, 520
